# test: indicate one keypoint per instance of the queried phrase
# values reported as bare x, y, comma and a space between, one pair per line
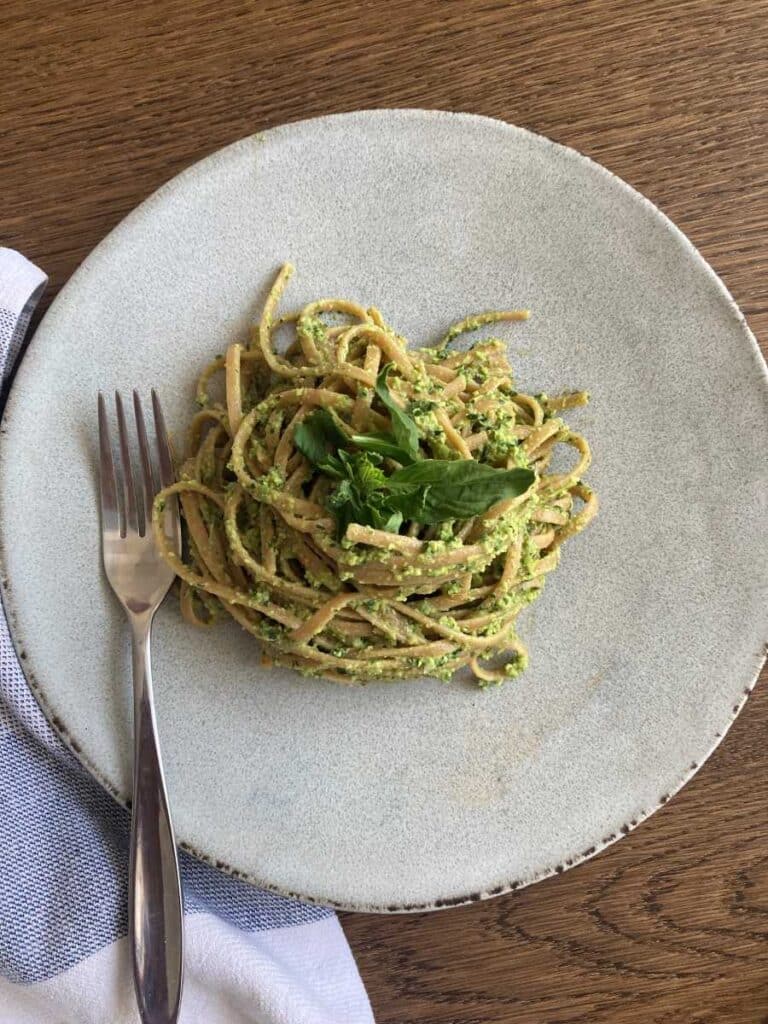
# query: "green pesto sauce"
271, 483
439, 668
312, 327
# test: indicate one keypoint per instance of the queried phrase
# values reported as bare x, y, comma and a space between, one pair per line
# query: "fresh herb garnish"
404, 428
426, 491
319, 437
382, 444
459, 488
363, 495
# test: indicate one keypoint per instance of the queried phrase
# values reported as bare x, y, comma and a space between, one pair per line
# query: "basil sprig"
426, 491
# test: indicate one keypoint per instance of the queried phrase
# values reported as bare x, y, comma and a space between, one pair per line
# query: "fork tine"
147, 481
129, 490
167, 473
110, 504
163, 448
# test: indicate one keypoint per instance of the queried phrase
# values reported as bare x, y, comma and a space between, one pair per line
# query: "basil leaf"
346, 506
319, 437
341, 496
404, 428
457, 472
460, 489
393, 523
409, 501
366, 474
380, 514
382, 444
362, 496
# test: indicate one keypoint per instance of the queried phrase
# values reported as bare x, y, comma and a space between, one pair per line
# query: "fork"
141, 579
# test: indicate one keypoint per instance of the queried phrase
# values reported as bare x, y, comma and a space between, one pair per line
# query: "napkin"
251, 957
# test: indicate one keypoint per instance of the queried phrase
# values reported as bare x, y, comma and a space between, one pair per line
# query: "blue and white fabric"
251, 957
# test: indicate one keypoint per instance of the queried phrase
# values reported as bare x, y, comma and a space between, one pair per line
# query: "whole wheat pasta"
262, 541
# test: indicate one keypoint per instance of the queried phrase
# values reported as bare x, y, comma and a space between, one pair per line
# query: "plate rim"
59, 306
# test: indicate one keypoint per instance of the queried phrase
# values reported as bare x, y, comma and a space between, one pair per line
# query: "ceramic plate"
646, 640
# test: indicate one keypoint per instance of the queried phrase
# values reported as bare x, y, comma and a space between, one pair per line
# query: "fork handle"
155, 909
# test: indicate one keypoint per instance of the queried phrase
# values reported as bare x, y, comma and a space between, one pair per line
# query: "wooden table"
102, 102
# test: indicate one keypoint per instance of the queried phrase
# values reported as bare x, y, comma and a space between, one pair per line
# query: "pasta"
298, 480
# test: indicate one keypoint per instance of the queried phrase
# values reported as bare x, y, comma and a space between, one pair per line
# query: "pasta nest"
263, 545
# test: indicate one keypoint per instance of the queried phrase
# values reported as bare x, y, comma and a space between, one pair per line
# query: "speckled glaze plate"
647, 639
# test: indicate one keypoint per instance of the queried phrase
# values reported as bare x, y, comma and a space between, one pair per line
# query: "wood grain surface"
102, 102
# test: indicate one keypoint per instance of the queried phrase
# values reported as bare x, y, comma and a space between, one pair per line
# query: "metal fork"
140, 579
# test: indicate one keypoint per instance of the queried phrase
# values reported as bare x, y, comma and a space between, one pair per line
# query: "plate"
647, 639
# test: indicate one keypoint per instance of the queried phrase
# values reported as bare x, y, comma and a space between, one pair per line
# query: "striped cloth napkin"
251, 957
